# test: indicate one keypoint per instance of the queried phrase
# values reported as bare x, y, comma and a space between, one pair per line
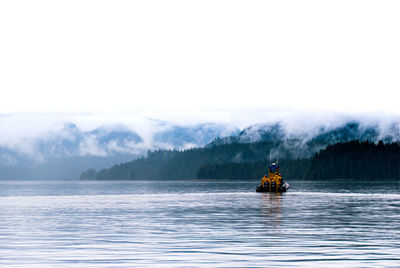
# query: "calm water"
196, 223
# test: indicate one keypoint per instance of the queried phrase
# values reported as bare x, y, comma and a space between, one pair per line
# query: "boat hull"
283, 188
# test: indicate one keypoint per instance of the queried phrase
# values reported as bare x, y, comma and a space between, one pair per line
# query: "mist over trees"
184, 164
345, 160
63, 151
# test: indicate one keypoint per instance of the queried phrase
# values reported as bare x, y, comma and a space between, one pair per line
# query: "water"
196, 223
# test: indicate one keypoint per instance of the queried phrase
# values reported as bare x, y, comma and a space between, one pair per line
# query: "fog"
22, 132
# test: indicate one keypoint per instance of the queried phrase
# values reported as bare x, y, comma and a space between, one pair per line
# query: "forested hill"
356, 160
350, 160
185, 164
252, 145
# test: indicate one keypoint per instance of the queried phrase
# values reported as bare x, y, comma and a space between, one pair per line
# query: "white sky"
184, 56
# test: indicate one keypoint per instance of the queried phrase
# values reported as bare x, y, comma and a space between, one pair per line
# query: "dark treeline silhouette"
356, 160
348, 160
185, 164
291, 168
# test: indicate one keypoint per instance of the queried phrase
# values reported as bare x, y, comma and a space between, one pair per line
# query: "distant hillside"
64, 152
253, 144
323, 135
350, 160
356, 160
185, 164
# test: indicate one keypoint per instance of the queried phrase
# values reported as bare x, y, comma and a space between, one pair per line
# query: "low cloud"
7, 160
40, 136
90, 146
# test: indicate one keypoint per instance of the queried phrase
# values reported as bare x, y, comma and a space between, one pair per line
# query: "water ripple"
131, 224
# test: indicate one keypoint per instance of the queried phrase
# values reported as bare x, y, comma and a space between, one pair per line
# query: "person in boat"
273, 176
265, 181
273, 168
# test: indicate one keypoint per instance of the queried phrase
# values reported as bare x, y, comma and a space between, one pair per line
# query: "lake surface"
198, 223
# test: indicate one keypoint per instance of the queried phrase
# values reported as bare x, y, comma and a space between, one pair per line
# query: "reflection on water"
198, 223
271, 209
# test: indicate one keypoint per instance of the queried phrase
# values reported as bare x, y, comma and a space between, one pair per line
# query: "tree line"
346, 160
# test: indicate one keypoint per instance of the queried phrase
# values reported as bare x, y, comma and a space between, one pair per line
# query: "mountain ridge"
64, 152
253, 144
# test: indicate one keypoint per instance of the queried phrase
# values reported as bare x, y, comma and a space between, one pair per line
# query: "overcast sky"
184, 57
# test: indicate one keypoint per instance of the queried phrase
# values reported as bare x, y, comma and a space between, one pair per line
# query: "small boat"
273, 182
283, 188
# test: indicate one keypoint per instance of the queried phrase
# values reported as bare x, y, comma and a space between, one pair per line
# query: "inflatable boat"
272, 188
273, 182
